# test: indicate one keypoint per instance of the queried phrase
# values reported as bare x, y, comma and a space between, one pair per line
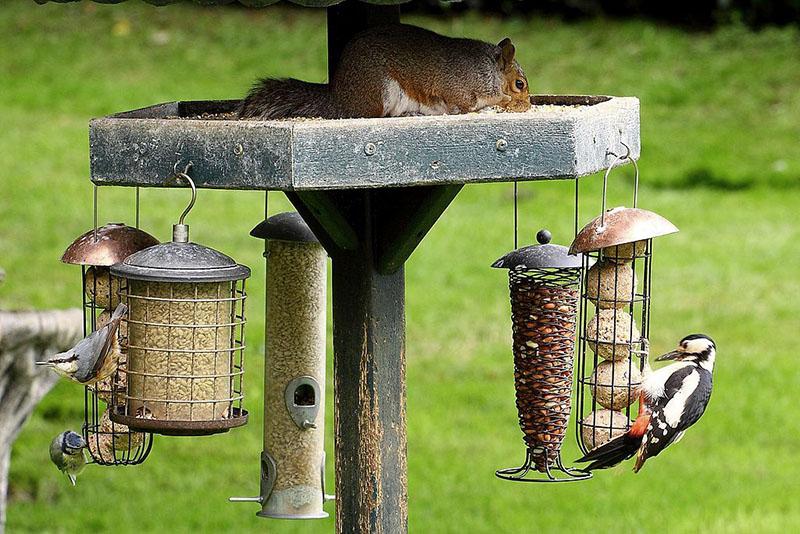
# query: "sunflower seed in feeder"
614, 384
602, 426
294, 369
185, 338
611, 333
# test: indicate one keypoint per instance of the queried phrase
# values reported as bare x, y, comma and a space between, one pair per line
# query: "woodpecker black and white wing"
676, 411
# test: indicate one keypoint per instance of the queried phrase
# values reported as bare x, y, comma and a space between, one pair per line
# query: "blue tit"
66, 451
94, 358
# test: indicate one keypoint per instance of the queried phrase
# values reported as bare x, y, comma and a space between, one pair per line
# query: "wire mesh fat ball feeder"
185, 337
543, 282
617, 256
109, 443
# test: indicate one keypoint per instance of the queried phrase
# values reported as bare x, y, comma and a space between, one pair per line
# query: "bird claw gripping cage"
614, 320
109, 443
543, 282
185, 337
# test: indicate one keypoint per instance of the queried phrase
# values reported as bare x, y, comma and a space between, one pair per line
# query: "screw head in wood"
370, 149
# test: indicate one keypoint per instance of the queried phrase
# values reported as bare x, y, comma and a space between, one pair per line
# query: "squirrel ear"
507, 51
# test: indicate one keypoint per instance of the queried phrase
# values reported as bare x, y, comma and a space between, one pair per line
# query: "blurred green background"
720, 158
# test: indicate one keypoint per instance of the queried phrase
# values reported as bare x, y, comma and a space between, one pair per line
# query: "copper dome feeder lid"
108, 245
619, 226
542, 256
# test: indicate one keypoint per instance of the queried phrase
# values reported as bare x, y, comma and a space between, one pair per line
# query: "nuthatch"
672, 399
94, 358
66, 451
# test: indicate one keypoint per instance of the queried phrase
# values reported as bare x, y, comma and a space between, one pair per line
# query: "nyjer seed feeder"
293, 459
96, 251
185, 337
543, 281
614, 324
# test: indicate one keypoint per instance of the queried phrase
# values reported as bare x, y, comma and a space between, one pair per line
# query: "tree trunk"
25, 338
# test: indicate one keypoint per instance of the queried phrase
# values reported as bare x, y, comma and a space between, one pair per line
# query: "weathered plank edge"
143, 152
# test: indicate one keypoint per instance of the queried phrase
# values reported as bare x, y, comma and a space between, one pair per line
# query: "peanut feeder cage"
614, 324
185, 337
109, 443
543, 282
293, 458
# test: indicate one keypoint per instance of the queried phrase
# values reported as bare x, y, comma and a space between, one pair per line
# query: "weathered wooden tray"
560, 137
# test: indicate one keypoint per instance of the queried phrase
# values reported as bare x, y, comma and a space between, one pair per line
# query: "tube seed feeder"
619, 243
543, 281
95, 251
293, 459
185, 337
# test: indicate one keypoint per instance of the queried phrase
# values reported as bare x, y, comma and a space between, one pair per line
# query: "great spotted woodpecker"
671, 400
94, 358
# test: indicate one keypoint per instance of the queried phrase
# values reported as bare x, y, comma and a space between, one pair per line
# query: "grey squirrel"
399, 70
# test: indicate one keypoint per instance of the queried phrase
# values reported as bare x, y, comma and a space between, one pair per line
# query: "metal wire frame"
637, 304
108, 443
178, 415
554, 468
544, 306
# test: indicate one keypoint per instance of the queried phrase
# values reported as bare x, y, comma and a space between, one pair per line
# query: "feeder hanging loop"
180, 231
618, 159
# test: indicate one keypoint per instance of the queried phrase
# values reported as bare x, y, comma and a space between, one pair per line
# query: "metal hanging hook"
94, 207
185, 176
617, 159
180, 231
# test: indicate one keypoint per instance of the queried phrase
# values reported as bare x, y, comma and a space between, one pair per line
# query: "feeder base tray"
182, 428
322, 515
554, 472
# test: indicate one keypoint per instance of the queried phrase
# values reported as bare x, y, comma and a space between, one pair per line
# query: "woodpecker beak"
674, 355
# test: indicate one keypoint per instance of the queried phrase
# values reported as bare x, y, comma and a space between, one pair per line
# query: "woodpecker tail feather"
279, 99
611, 453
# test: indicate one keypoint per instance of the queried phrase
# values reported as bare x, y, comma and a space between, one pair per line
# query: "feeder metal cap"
287, 226
180, 262
621, 225
541, 256
114, 243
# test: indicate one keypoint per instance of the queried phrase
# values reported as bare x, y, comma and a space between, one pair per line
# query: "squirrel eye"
520, 84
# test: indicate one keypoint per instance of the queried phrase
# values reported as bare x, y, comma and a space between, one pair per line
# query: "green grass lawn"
720, 134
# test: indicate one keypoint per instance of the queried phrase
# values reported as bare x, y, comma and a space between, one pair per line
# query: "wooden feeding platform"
370, 189
560, 137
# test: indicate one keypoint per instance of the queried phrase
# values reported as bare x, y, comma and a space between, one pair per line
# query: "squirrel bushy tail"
272, 98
